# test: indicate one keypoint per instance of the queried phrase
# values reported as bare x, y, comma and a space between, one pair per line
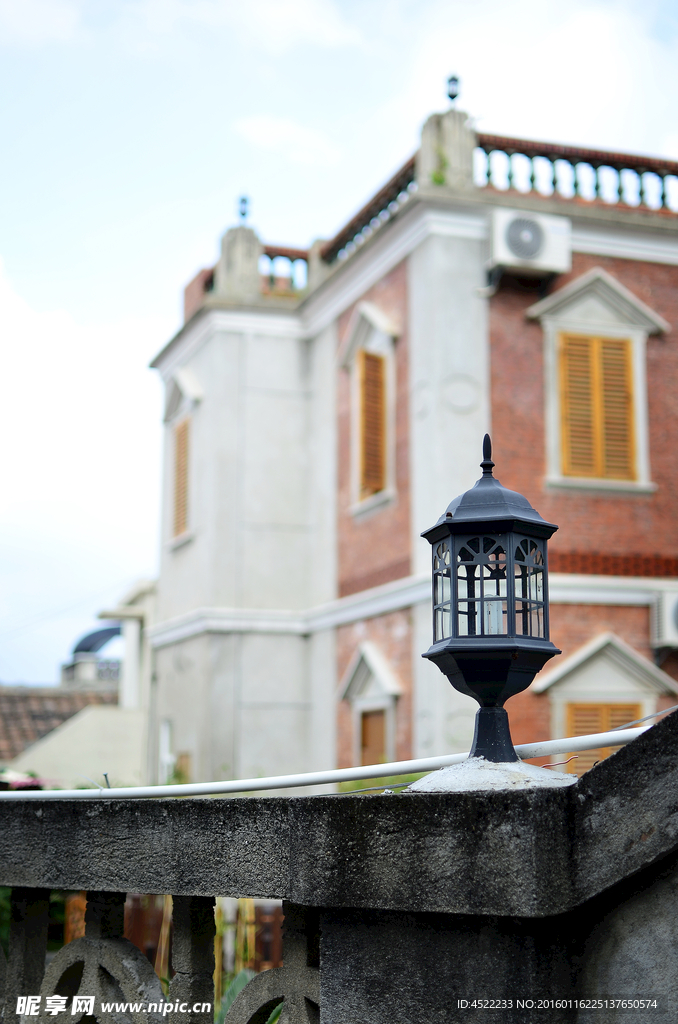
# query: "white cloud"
293, 141
591, 72
272, 25
33, 22
80, 415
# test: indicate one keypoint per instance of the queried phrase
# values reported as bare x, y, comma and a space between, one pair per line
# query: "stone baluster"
29, 915
510, 181
576, 183
296, 983
642, 190
193, 956
105, 915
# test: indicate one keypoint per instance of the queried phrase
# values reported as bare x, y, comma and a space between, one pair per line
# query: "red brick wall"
615, 524
376, 549
194, 292
392, 634
573, 625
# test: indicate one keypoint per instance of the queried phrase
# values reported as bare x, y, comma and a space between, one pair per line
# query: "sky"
129, 129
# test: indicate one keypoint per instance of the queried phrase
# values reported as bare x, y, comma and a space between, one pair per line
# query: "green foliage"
375, 785
438, 176
236, 986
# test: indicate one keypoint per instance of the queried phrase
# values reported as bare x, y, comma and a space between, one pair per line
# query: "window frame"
596, 356
633, 711
182, 423
554, 329
369, 684
378, 343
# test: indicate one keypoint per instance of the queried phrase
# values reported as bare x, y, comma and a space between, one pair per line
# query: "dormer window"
595, 335
372, 690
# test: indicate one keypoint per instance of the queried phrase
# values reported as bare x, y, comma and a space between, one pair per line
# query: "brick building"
324, 407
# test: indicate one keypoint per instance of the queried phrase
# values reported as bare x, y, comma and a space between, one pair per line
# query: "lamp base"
492, 736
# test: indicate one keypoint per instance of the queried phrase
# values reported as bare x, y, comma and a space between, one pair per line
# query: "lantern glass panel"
442, 591
482, 606
529, 587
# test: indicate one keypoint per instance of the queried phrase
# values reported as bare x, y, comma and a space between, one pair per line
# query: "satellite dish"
525, 238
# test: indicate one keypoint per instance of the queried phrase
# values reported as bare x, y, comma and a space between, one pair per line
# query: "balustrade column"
193, 956
105, 915
29, 916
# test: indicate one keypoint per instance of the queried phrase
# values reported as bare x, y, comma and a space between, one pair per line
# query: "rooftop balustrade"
544, 169
575, 176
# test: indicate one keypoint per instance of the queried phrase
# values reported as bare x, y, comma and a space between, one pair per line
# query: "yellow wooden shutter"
181, 478
583, 719
596, 396
616, 409
577, 404
372, 424
373, 737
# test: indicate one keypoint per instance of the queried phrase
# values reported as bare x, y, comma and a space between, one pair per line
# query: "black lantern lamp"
490, 602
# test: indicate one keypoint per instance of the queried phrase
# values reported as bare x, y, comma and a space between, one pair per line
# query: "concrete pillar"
446, 153
236, 275
131, 665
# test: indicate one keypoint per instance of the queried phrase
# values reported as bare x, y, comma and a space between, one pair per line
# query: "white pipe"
371, 771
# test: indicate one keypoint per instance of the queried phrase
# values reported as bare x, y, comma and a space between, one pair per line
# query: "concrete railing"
398, 908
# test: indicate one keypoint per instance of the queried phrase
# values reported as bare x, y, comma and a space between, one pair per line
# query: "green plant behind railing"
234, 989
375, 785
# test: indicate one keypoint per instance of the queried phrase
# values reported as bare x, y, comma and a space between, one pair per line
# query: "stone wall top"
530, 854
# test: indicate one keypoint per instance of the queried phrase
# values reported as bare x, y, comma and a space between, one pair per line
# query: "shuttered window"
597, 407
372, 423
181, 432
373, 737
583, 719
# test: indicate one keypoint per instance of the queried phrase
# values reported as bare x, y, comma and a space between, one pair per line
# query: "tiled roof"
27, 713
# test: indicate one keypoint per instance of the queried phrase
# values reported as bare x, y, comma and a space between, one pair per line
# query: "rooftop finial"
243, 204
487, 465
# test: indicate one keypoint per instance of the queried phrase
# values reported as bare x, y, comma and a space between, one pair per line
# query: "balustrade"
107, 968
284, 271
573, 172
395, 906
541, 168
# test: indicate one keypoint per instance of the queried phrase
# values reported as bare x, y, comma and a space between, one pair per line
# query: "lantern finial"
487, 465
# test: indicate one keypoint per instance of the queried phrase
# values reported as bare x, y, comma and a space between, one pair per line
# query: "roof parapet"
454, 156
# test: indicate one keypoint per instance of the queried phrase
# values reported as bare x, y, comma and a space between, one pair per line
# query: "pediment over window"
369, 676
606, 663
366, 320
598, 298
183, 388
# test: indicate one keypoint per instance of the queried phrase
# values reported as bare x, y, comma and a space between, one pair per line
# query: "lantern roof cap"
490, 502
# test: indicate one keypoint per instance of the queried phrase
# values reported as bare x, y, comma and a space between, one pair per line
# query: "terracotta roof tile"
28, 713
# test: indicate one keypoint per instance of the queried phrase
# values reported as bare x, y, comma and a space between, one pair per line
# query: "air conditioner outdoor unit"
665, 619
535, 244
